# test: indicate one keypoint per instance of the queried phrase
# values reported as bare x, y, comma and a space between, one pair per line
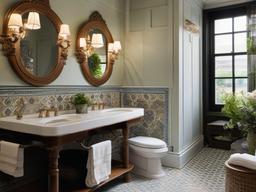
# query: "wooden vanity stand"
54, 144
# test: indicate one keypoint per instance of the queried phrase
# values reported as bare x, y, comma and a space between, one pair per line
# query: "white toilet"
146, 154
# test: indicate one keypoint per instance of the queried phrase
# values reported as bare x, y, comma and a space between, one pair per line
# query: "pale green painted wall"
73, 13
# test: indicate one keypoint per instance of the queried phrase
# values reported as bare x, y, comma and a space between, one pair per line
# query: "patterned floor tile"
204, 173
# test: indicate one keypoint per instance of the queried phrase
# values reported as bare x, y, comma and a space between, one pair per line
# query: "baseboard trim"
179, 160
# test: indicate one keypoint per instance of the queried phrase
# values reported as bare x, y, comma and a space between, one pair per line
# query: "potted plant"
81, 103
241, 109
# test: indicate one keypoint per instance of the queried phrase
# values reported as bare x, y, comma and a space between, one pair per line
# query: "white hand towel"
99, 163
243, 160
9, 149
11, 159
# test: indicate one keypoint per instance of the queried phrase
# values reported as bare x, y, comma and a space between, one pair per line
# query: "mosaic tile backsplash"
62, 101
154, 123
153, 100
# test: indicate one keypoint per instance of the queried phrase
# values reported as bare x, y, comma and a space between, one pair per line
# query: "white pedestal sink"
69, 123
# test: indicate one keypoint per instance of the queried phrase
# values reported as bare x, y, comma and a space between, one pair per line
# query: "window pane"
241, 66
240, 23
241, 85
241, 42
223, 25
223, 66
103, 67
102, 58
223, 44
222, 86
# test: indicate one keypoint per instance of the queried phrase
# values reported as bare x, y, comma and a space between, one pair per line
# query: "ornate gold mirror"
35, 41
96, 50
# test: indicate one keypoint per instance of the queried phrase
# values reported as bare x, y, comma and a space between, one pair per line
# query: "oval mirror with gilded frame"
37, 57
92, 52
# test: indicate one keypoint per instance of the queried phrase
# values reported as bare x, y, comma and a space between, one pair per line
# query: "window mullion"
233, 57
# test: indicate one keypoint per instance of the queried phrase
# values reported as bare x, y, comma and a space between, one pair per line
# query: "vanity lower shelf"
117, 171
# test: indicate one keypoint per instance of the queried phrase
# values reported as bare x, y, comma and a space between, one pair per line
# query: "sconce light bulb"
15, 22
117, 46
97, 40
110, 47
33, 22
82, 42
64, 31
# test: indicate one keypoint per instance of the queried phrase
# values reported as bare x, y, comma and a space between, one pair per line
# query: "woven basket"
240, 179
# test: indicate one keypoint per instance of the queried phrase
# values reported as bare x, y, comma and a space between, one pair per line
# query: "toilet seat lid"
147, 142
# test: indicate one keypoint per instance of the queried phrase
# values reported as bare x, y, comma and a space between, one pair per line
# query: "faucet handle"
101, 105
93, 106
42, 112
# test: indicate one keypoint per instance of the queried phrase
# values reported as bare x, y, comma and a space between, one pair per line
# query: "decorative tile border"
155, 103
153, 99
51, 90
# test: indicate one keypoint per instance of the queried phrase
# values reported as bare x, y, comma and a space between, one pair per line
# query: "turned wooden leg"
127, 177
53, 172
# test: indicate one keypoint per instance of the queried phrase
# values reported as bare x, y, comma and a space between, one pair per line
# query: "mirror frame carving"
12, 49
95, 21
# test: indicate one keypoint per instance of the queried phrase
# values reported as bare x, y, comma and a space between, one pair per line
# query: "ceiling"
220, 3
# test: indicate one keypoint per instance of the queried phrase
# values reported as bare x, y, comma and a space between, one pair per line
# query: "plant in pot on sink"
241, 109
81, 103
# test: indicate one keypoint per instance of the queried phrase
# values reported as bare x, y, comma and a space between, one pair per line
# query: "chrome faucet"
20, 108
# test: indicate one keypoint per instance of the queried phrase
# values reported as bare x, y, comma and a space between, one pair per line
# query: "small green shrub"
94, 65
251, 45
80, 99
241, 109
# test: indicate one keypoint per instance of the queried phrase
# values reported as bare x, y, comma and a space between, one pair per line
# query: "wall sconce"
15, 27
114, 49
16, 30
33, 22
97, 40
15, 23
64, 40
88, 46
85, 47
191, 27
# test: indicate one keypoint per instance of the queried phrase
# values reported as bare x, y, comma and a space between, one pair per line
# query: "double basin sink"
69, 123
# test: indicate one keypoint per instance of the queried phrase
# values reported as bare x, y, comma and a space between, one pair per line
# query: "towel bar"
85, 147
32, 144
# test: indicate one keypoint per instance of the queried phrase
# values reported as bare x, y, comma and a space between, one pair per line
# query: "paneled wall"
186, 93
148, 43
192, 76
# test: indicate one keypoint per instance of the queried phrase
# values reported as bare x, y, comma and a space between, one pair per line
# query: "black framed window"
225, 54
230, 56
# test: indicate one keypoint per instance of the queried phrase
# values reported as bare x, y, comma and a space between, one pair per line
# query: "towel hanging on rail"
99, 163
11, 158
